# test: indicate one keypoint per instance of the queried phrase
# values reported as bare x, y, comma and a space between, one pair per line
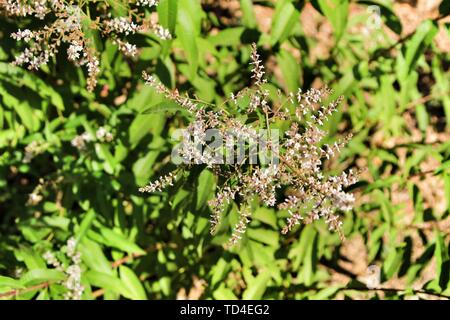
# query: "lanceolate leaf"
285, 18
167, 13
337, 13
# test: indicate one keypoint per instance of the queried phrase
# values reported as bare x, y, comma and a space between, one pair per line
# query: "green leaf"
27, 116
441, 279
142, 168
30, 257
393, 261
205, 187
57, 222
224, 293
290, 69
219, 271
266, 215
132, 282
41, 275
164, 283
327, 293
109, 164
249, 18
108, 282
447, 189
442, 85
189, 19
415, 47
120, 242
19, 77
165, 106
143, 99
387, 156
10, 283
143, 125
308, 270
255, 290
269, 237
299, 250
50, 207
227, 37
336, 12
92, 255
85, 225
92, 33
167, 14
116, 8
284, 20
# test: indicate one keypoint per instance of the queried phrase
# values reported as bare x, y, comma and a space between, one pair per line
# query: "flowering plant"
307, 191
73, 25
232, 153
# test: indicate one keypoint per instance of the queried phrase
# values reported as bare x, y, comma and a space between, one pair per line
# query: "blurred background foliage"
395, 79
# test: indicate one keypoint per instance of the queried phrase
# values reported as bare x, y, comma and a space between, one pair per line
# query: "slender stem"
383, 52
16, 292
397, 290
425, 99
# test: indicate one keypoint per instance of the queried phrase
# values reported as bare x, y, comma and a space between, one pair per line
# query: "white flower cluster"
34, 199
25, 35
122, 25
258, 68
72, 271
80, 141
160, 184
33, 149
223, 197
102, 135
240, 227
34, 59
161, 32
67, 25
262, 181
128, 49
53, 261
310, 193
37, 8
74, 51
126, 26
147, 3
